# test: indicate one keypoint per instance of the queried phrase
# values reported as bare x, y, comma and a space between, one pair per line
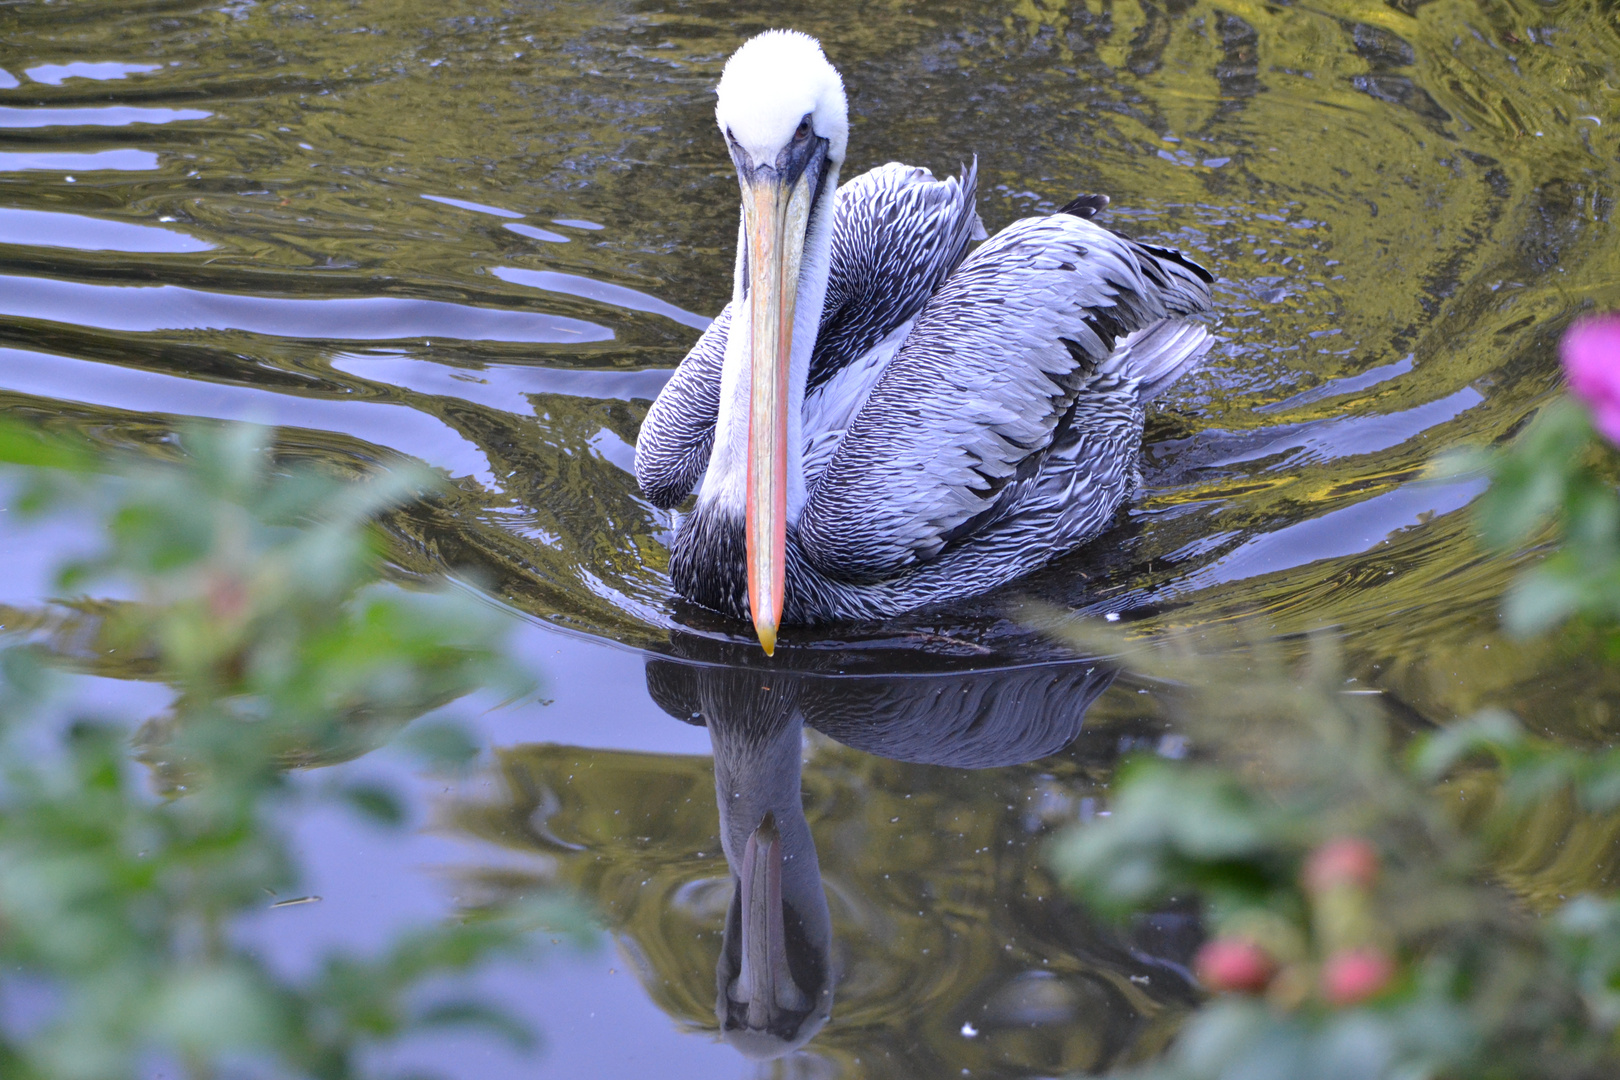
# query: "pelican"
879, 419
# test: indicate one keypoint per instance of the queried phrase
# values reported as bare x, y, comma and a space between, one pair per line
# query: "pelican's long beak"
776, 216
765, 985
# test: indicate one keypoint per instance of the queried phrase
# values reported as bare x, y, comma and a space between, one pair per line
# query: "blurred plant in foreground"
259, 601
1557, 470
1353, 932
1355, 929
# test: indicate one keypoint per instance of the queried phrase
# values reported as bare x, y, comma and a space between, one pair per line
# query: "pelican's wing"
897, 233
993, 364
672, 449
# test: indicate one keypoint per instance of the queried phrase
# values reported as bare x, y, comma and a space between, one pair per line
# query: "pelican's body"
879, 419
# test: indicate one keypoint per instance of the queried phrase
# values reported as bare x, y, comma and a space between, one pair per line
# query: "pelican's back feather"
1003, 359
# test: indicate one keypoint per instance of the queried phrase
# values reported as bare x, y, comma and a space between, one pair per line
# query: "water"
481, 236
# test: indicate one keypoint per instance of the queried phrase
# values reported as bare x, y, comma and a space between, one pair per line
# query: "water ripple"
69, 162
13, 116
46, 228
404, 430
378, 318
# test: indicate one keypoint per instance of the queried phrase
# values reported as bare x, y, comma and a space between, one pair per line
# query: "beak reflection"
764, 1011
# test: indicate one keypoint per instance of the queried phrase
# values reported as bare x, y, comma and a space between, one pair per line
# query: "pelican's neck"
757, 764
724, 485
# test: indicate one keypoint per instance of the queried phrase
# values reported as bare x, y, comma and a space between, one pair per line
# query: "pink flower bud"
1349, 860
1354, 975
227, 597
1234, 965
1591, 352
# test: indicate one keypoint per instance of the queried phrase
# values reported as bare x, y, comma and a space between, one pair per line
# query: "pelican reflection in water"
880, 419
776, 974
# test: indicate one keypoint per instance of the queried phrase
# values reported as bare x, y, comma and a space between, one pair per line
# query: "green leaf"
378, 803
1540, 599
1460, 463
554, 911
21, 444
215, 1009
1490, 730
1171, 827
440, 744
477, 1014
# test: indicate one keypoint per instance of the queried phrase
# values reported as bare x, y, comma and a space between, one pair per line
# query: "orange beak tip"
767, 638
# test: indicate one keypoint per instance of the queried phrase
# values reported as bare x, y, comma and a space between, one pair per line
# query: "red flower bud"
1348, 860
1354, 975
1234, 965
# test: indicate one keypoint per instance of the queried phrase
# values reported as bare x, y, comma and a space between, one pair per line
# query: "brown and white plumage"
952, 420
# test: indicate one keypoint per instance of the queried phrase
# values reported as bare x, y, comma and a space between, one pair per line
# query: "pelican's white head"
773, 83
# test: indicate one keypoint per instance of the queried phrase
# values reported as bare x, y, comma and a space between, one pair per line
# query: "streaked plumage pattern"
997, 359
966, 420
897, 233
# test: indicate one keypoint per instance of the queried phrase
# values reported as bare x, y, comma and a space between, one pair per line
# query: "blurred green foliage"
1478, 985
1555, 473
1420, 961
257, 596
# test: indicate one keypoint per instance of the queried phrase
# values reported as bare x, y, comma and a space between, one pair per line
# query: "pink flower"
1354, 975
1348, 861
1591, 352
1234, 965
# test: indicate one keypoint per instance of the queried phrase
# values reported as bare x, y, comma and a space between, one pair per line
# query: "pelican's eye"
803, 131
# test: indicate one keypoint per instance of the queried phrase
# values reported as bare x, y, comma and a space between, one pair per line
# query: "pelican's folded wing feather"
897, 233
992, 365
672, 448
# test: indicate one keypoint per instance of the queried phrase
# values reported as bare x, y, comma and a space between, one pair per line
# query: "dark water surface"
480, 236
